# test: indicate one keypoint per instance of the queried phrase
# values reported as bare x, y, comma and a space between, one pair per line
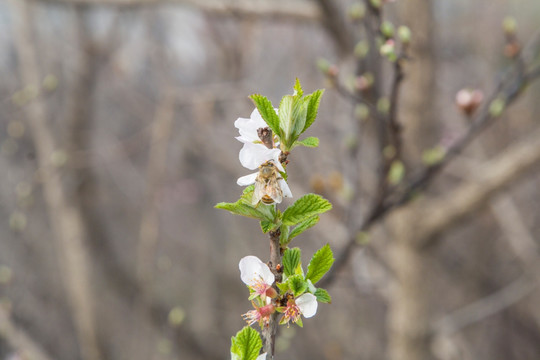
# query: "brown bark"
418, 91
65, 215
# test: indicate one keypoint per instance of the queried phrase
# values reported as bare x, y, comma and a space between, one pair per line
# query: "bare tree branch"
485, 307
294, 10
438, 214
20, 340
157, 166
66, 219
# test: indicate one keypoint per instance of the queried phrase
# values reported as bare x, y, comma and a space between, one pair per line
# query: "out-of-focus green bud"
433, 156
362, 238
361, 111
509, 25
176, 316
404, 34
361, 49
376, 3
17, 221
497, 107
383, 105
323, 65
396, 173
387, 29
357, 11
388, 50
50, 82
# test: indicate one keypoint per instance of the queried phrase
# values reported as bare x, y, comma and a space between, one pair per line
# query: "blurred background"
117, 139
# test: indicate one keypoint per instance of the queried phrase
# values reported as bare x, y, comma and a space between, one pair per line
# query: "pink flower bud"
469, 100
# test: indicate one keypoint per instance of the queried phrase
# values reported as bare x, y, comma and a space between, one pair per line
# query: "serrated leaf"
298, 88
307, 206
323, 296
243, 207
283, 287
266, 226
266, 109
246, 344
297, 284
239, 208
292, 117
303, 226
320, 263
291, 259
307, 142
313, 107
284, 236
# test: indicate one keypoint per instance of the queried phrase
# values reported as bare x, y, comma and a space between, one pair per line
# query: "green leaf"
307, 206
243, 207
239, 208
298, 88
266, 109
299, 322
307, 142
266, 226
297, 284
291, 259
284, 236
283, 287
303, 226
247, 344
292, 117
313, 107
323, 296
320, 264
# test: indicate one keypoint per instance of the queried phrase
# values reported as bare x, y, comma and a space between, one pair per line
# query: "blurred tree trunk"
408, 318
69, 230
417, 112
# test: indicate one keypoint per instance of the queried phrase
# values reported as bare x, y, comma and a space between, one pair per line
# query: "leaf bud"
388, 50
497, 107
361, 49
357, 11
468, 100
404, 34
387, 29
509, 25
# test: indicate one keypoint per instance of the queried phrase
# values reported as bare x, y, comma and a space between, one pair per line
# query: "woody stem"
269, 332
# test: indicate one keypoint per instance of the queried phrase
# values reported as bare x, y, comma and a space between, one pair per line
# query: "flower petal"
248, 127
252, 269
253, 155
261, 357
247, 179
285, 188
307, 304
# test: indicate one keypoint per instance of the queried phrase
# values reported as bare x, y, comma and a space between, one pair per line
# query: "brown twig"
508, 90
269, 332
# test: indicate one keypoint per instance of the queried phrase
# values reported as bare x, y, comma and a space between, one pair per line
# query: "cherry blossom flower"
254, 152
305, 304
260, 314
257, 275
